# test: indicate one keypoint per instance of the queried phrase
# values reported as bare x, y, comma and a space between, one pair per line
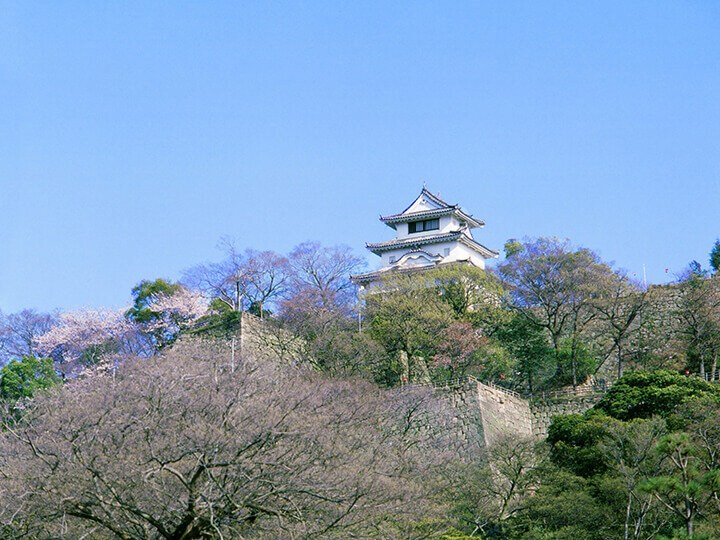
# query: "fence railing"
595, 389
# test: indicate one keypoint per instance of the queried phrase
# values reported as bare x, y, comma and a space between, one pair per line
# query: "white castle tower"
430, 232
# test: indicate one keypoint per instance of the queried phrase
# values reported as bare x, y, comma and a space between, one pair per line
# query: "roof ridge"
436, 198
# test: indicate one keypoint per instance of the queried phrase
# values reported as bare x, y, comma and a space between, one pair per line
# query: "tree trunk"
404, 367
556, 346
572, 363
423, 374
627, 515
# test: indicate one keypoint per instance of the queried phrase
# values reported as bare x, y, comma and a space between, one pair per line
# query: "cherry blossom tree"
462, 348
88, 336
174, 313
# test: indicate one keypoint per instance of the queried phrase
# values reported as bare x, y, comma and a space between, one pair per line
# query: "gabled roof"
438, 208
458, 236
434, 199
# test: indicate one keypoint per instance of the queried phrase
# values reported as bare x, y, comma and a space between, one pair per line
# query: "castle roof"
427, 205
459, 236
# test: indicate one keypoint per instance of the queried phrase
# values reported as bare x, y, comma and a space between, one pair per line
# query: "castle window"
426, 225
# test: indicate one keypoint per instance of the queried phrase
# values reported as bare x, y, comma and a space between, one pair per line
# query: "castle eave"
393, 219
381, 247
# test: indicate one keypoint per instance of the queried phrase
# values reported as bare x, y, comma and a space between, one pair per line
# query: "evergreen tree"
715, 256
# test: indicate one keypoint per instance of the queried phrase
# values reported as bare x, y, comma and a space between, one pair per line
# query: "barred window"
426, 225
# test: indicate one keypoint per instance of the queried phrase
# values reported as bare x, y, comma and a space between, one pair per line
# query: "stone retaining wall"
487, 413
543, 411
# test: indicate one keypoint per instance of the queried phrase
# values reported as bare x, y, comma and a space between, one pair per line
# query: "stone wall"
502, 414
653, 332
262, 339
487, 413
467, 415
543, 411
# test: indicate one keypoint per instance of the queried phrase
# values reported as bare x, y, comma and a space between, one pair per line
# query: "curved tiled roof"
379, 247
402, 218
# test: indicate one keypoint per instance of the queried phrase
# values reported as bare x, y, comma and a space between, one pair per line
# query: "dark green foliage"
644, 394
144, 294
574, 441
715, 256
585, 364
256, 308
20, 379
528, 344
564, 507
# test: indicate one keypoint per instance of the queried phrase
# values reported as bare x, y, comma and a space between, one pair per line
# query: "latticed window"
426, 225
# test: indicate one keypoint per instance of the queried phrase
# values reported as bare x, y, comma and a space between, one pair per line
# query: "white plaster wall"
447, 224
385, 257
461, 252
458, 252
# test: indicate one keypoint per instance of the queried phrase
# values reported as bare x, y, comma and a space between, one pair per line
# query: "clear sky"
133, 135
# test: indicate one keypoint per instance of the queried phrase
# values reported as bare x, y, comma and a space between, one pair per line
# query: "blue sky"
133, 135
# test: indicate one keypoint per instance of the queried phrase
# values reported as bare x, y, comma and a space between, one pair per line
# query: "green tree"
643, 394
147, 319
527, 343
574, 442
565, 507
628, 451
688, 486
512, 247
715, 256
471, 292
408, 318
144, 293
21, 378
555, 287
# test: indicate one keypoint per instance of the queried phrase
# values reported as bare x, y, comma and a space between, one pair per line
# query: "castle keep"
430, 232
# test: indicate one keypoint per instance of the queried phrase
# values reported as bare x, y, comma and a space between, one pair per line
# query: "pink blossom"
177, 310
84, 329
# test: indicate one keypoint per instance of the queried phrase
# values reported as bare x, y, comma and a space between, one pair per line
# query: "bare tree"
242, 280
699, 315
320, 301
628, 451
555, 288
620, 306
488, 495
181, 447
320, 280
18, 332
